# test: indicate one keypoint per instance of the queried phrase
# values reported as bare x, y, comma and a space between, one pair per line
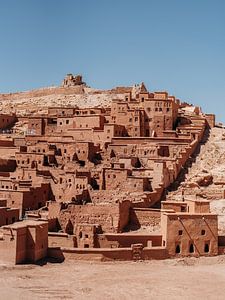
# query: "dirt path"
170, 279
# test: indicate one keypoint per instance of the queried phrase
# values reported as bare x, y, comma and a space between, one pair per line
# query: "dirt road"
187, 278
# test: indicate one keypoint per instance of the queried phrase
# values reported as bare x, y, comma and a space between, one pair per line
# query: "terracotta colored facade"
25, 241
97, 173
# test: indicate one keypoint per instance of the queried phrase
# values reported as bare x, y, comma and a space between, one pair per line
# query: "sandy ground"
187, 278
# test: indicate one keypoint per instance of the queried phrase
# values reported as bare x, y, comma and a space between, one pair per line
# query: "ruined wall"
109, 216
144, 217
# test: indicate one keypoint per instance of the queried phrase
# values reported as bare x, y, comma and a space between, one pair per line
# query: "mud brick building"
97, 175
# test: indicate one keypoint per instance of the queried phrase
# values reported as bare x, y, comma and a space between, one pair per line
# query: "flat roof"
25, 223
187, 214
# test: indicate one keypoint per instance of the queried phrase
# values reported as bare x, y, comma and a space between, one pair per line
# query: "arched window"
206, 249
191, 248
178, 249
69, 227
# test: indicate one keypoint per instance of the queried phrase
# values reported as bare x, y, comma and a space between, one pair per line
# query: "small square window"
180, 232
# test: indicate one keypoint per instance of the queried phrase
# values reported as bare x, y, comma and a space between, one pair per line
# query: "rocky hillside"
37, 101
205, 178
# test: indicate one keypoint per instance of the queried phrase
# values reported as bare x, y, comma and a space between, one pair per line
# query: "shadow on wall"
134, 223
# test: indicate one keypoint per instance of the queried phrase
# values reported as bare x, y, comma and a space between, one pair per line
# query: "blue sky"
173, 45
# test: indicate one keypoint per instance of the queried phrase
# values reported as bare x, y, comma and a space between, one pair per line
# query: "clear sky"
173, 45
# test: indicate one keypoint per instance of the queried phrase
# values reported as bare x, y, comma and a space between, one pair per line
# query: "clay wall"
89, 121
8, 143
21, 243
129, 162
84, 134
8, 216
86, 235
190, 234
67, 185
114, 178
85, 151
108, 254
3, 202
56, 239
27, 198
8, 242
25, 241
176, 206
137, 184
7, 165
35, 126
29, 160
113, 218
19, 141
130, 118
6, 120
50, 126
211, 120
40, 147
23, 174
64, 123
36, 197
144, 217
126, 240
90, 111
61, 111
14, 199
121, 150
195, 206
37, 242
139, 140
53, 209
